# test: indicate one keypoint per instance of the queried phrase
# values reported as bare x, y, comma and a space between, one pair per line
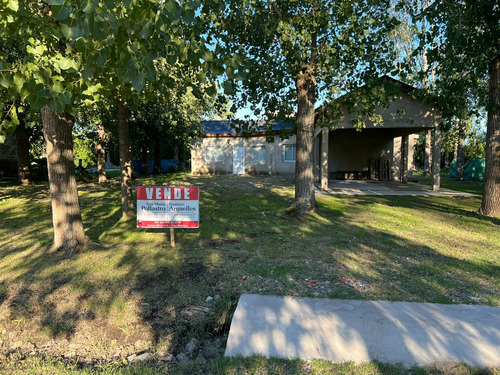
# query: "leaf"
208, 56
65, 63
139, 81
194, 5
13, 5
61, 12
37, 102
102, 58
6, 80
55, 2
43, 93
211, 90
188, 16
65, 97
201, 76
15, 119
58, 88
88, 6
19, 81
88, 71
72, 31
174, 10
56, 105
228, 87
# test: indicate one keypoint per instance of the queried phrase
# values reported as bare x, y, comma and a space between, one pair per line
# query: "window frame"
209, 151
294, 148
264, 155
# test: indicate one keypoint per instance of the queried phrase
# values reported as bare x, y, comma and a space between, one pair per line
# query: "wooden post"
436, 160
172, 237
324, 158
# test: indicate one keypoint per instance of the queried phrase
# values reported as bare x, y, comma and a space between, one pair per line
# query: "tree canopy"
465, 42
59, 54
288, 56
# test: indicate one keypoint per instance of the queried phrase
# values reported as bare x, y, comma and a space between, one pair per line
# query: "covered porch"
382, 152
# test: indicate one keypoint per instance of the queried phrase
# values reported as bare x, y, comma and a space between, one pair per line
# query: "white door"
239, 160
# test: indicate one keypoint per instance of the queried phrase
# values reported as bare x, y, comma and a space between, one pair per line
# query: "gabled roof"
228, 128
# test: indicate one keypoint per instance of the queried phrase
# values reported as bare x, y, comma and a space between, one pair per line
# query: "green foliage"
84, 140
341, 43
174, 120
60, 53
464, 39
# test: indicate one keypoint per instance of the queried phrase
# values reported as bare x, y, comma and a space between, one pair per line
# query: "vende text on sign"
168, 207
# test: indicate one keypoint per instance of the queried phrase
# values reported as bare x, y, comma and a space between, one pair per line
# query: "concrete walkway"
368, 187
362, 331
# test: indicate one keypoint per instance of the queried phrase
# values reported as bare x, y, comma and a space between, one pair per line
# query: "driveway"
356, 331
369, 187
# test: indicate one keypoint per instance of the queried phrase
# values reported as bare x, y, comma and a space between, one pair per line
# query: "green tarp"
473, 170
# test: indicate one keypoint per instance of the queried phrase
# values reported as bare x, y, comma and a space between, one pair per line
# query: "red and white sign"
168, 207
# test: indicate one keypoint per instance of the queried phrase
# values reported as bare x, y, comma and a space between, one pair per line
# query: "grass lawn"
447, 182
133, 294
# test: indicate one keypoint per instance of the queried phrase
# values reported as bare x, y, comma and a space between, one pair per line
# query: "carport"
378, 152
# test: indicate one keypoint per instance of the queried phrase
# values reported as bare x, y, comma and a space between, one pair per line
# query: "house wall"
273, 164
404, 112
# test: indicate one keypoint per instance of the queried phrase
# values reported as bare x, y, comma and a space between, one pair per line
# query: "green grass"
242, 366
447, 182
135, 293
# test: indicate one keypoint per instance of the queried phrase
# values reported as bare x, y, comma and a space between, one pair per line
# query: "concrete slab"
362, 331
368, 187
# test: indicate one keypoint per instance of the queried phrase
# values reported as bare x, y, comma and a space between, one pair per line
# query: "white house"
382, 152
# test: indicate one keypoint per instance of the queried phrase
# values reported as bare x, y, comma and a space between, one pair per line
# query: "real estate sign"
168, 207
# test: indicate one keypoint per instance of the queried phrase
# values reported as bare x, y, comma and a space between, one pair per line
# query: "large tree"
132, 40
290, 55
466, 45
45, 74
76, 51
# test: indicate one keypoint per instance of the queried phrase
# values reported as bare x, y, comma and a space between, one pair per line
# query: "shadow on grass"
244, 232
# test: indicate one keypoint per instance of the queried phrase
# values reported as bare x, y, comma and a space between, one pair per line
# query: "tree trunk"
126, 166
101, 154
490, 205
428, 154
305, 200
157, 163
176, 152
146, 158
23, 155
460, 150
66, 217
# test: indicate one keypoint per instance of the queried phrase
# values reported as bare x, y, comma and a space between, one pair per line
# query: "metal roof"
228, 127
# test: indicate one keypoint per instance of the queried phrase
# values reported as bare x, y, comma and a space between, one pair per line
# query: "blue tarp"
165, 165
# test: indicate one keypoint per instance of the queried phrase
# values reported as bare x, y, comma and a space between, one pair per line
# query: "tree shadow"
138, 288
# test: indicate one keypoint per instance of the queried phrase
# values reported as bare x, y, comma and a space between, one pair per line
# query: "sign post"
168, 207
